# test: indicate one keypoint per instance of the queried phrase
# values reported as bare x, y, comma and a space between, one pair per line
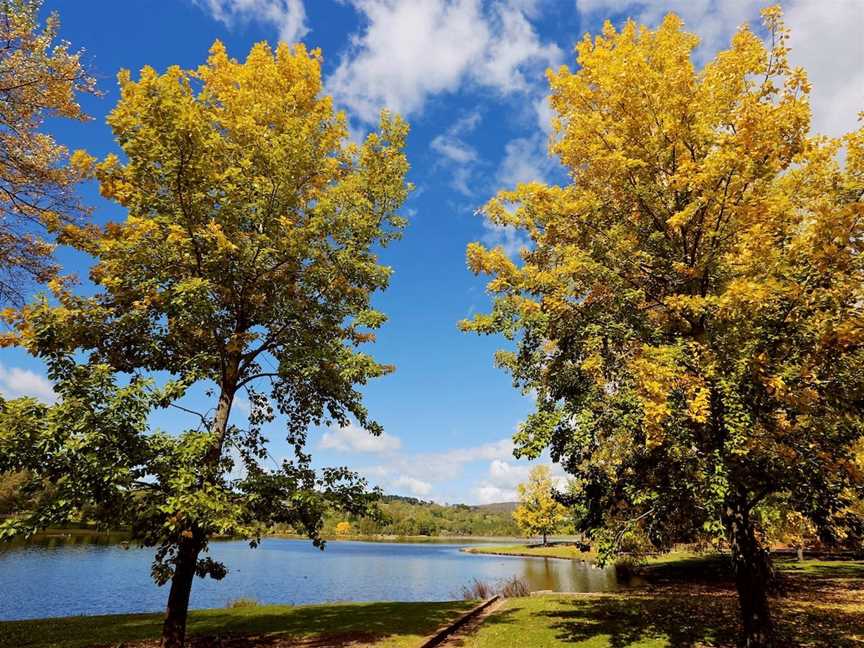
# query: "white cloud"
514, 45
433, 467
287, 16
16, 382
544, 114
487, 452
713, 20
412, 49
488, 494
507, 237
242, 404
456, 155
412, 484
506, 474
504, 477
525, 160
353, 438
826, 41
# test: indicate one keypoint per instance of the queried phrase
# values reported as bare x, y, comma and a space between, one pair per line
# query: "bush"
477, 590
242, 602
512, 587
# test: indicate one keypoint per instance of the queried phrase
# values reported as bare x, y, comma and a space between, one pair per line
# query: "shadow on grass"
338, 623
698, 617
709, 568
822, 568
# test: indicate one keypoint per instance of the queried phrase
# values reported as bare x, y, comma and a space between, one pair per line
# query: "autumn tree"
538, 512
689, 307
39, 78
246, 263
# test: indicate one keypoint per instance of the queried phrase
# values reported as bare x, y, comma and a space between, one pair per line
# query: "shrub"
242, 602
513, 587
508, 588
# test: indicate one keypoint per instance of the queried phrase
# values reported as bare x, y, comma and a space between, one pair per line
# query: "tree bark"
174, 628
544, 539
752, 566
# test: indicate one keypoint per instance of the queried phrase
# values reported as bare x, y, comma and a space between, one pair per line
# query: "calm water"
61, 579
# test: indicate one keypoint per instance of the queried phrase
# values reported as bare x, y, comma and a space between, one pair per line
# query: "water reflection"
62, 575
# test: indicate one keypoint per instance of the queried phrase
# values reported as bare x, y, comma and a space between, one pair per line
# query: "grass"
822, 604
390, 625
566, 551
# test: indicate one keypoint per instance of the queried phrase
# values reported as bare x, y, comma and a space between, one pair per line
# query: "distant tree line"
408, 516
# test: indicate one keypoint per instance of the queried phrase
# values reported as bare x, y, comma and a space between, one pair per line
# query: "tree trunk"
544, 539
174, 628
752, 566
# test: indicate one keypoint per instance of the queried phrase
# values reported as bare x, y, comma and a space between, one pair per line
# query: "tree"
688, 308
538, 513
247, 262
38, 78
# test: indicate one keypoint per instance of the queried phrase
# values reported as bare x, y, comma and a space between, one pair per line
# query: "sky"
468, 75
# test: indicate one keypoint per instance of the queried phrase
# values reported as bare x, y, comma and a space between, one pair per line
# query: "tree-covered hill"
409, 516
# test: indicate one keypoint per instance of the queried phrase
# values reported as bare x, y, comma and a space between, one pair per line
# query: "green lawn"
568, 551
390, 625
822, 604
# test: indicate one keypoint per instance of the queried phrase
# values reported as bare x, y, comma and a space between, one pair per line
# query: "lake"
55, 578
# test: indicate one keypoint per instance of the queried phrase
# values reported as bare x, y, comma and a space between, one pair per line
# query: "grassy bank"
822, 604
384, 625
561, 550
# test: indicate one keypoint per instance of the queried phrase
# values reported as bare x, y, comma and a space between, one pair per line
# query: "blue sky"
469, 77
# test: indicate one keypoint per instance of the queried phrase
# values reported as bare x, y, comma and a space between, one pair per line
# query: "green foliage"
689, 307
246, 263
407, 516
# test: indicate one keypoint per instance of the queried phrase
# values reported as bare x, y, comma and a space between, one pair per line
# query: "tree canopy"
689, 308
39, 78
247, 261
538, 512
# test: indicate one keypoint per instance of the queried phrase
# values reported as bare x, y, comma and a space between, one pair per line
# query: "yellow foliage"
538, 513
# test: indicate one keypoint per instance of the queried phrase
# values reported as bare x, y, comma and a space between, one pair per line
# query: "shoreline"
480, 552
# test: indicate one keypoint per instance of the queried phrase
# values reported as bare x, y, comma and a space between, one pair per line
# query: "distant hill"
497, 507
410, 516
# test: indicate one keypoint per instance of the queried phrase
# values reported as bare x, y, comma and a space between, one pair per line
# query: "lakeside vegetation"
566, 551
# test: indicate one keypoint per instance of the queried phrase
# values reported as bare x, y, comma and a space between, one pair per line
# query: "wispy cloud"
16, 382
413, 49
287, 16
456, 155
352, 438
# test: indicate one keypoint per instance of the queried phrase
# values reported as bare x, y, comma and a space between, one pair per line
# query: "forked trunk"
752, 566
174, 628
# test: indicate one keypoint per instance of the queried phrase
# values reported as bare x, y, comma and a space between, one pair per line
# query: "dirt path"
458, 638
